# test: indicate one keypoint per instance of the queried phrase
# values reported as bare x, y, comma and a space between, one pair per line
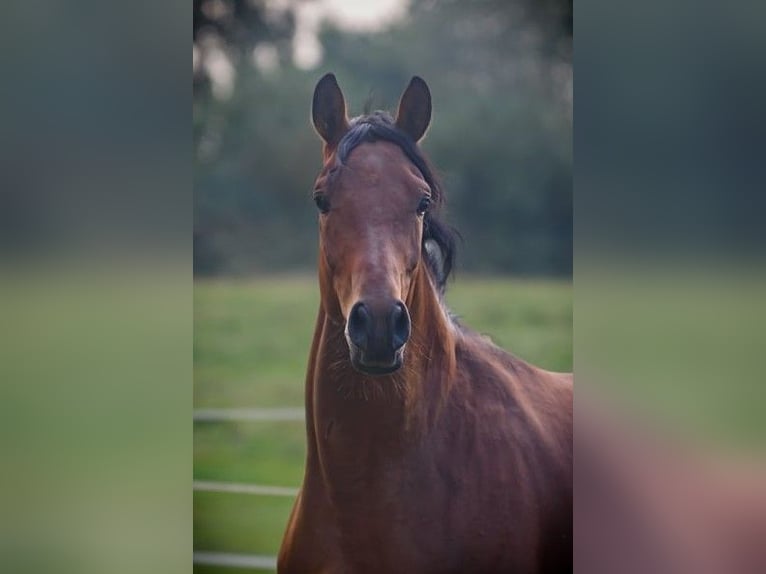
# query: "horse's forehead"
379, 160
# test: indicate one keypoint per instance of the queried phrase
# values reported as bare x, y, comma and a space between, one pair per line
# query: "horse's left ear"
414, 112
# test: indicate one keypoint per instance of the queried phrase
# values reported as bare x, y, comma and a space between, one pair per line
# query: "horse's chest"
402, 519
420, 510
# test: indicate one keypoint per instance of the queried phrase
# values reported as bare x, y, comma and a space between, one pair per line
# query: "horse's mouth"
377, 367
377, 371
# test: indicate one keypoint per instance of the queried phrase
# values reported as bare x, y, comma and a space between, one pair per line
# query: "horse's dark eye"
424, 204
323, 204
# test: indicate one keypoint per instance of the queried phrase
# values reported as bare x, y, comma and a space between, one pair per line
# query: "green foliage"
500, 137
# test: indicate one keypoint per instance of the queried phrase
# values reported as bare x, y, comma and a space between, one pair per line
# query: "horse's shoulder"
482, 358
507, 391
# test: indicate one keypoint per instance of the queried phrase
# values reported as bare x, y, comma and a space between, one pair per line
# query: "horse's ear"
414, 112
328, 110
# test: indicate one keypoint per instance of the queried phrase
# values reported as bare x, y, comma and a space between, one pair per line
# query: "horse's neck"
389, 408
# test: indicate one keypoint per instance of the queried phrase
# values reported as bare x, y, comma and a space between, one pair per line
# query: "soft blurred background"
95, 211
500, 73
501, 136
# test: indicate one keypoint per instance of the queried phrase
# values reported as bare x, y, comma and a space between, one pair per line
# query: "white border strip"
242, 488
236, 560
253, 414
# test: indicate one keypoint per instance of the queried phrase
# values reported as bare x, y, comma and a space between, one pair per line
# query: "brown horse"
429, 448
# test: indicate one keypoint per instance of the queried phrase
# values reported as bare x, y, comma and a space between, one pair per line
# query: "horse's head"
374, 194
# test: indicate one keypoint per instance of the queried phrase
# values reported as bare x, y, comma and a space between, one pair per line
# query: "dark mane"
380, 126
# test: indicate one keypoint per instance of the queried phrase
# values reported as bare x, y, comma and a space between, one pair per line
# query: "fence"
251, 561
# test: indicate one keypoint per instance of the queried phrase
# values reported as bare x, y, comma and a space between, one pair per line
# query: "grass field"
251, 340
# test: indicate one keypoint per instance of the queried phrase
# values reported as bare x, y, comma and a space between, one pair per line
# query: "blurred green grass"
251, 341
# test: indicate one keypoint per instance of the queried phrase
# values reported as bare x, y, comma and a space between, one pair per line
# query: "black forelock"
380, 125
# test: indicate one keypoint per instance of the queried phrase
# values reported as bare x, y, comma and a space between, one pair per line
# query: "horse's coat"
460, 460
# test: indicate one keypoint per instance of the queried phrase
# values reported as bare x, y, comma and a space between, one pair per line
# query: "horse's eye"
323, 204
424, 204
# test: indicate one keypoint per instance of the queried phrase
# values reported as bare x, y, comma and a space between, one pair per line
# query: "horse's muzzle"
376, 336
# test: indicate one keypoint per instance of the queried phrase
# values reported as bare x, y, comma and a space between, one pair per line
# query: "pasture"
251, 340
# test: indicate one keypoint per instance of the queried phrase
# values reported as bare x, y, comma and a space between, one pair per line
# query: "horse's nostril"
359, 325
400, 323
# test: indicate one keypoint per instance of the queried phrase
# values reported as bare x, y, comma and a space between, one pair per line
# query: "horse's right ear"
414, 112
328, 110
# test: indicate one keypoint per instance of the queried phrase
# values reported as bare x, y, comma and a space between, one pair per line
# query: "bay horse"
429, 448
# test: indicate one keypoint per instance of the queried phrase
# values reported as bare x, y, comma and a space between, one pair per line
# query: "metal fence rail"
236, 560
252, 561
243, 488
275, 414
251, 414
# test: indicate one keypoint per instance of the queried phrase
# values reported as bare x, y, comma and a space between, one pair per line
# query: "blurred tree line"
501, 79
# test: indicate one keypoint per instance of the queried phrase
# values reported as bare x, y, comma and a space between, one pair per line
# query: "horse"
429, 449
